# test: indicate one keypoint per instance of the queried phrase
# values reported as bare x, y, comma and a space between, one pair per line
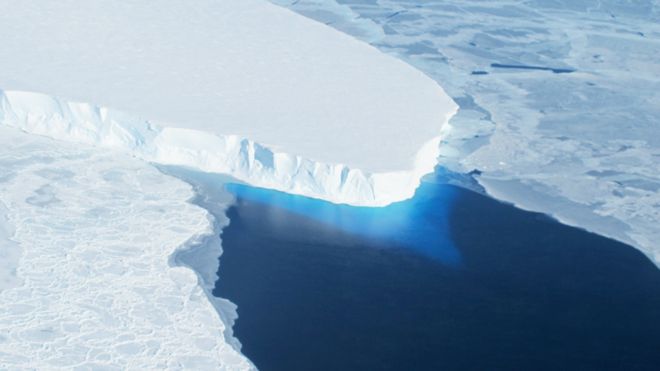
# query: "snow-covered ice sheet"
559, 99
97, 289
243, 68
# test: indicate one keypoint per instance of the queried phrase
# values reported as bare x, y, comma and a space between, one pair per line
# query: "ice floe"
98, 230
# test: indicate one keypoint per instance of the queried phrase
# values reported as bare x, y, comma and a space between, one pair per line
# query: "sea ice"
9, 250
98, 290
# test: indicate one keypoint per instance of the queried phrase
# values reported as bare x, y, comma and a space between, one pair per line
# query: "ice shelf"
315, 111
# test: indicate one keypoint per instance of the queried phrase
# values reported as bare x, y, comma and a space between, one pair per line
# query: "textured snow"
97, 230
240, 68
9, 250
583, 146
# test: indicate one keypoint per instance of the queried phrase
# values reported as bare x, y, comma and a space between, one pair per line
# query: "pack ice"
239, 87
95, 287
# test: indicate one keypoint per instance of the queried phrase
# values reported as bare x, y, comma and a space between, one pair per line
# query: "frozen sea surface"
10, 252
582, 145
96, 287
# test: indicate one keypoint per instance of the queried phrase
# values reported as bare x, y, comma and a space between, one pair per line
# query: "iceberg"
240, 87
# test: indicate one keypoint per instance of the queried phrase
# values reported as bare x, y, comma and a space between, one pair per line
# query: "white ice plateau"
242, 87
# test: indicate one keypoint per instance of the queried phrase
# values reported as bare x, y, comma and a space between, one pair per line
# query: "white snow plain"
581, 146
326, 115
96, 286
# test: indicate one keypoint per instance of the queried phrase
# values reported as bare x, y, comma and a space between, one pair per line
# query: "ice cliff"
239, 87
242, 158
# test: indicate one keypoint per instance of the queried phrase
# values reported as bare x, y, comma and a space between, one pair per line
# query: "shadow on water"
450, 280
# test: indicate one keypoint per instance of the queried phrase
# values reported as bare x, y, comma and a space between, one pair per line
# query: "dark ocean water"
450, 280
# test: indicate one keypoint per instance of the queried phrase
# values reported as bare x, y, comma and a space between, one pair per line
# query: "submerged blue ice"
404, 224
525, 293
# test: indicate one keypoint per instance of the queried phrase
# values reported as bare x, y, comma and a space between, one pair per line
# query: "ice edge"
227, 310
239, 157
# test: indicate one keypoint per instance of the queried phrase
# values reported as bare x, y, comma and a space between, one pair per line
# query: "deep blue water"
450, 280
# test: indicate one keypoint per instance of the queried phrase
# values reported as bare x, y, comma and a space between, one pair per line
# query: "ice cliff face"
242, 158
240, 87
237, 86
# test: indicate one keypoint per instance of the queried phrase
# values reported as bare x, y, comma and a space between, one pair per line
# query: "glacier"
318, 112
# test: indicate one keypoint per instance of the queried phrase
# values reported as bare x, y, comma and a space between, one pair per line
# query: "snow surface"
238, 68
10, 252
97, 289
583, 146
